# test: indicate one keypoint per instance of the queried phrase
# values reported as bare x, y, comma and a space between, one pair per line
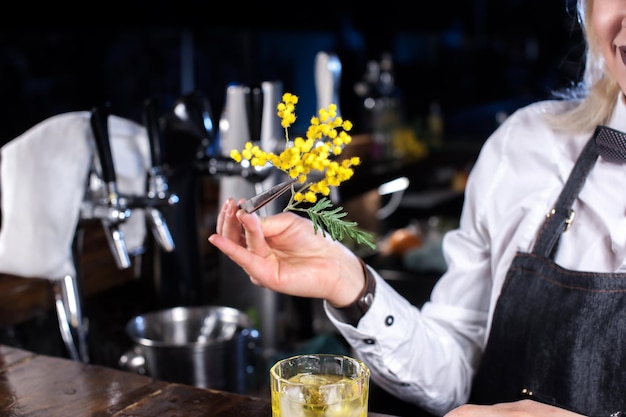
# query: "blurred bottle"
382, 106
435, 124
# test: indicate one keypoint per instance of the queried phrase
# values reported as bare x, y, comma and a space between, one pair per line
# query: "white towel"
43, 178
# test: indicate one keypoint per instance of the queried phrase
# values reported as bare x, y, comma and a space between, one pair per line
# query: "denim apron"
558, 336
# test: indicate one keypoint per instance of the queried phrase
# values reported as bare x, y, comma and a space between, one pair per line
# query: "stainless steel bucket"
210, 347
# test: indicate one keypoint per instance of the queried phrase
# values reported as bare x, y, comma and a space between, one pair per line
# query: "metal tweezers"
254, 203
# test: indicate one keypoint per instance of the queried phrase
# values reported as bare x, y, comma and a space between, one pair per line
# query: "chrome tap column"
237, 127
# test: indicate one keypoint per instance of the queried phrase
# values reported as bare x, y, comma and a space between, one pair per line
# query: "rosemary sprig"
327, 217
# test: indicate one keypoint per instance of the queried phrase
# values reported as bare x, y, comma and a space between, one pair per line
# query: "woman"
549, 342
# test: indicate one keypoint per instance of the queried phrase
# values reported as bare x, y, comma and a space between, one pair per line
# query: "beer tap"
191, 117
187, 132
106, 203
158, 194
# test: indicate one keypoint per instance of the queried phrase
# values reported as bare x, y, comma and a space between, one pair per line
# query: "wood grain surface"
43, 386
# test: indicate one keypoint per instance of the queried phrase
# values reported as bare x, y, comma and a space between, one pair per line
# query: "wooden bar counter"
33, 385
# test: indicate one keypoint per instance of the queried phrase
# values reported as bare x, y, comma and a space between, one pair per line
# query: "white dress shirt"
428, 356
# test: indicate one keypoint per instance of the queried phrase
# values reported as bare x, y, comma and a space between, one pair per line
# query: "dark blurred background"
472, 57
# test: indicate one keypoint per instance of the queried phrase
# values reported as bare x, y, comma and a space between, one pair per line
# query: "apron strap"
560, 217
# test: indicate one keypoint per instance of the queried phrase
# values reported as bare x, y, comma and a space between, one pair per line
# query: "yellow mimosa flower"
325, 139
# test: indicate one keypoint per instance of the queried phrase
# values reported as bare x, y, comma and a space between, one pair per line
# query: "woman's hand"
523, 408
283, 253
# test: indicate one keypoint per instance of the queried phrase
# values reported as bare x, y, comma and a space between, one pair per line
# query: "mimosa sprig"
313, 156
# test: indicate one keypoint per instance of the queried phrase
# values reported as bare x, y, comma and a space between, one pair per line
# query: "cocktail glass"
319, 385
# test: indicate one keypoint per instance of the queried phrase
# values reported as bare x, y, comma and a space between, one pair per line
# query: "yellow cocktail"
319, 385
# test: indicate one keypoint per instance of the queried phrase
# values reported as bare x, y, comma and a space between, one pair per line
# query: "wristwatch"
353, 312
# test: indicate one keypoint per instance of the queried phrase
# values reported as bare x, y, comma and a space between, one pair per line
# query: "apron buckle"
568, 221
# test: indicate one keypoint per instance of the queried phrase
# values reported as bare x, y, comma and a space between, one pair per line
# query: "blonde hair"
596, 93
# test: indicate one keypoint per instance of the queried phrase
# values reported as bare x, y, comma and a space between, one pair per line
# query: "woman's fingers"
254, 237
242, 228
228, 225
240, 237
221, 216
234, 250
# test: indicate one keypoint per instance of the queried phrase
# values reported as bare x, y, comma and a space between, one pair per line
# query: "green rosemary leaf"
327, 218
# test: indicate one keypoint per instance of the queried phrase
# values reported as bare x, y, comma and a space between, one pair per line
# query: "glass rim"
365, 374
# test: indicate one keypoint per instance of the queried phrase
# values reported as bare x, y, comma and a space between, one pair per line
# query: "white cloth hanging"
43, 178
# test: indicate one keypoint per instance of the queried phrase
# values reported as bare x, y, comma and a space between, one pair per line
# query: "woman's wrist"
353, 312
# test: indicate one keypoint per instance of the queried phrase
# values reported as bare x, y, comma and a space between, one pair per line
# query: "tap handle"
188, 130
116, 214
157, 223
201, 115
151, 122
99, 126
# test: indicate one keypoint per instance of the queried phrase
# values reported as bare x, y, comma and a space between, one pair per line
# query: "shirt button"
369, 341
389, 320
